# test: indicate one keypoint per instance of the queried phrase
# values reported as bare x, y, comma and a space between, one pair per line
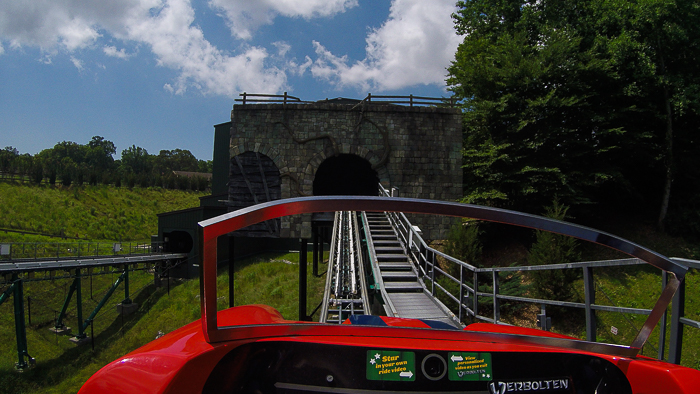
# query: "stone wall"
416, 149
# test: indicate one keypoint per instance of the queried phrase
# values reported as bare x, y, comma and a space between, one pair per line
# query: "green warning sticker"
391, 365
469, 366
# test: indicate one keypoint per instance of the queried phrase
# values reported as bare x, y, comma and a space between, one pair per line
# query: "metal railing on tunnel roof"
410, 100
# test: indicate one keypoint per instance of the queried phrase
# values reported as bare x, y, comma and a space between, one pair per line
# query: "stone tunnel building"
342, 147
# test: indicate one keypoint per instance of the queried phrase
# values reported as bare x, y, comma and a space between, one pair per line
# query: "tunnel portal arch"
346, 174
413, 149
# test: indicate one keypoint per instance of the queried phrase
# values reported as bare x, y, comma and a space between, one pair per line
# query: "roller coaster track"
395, 278
346, 291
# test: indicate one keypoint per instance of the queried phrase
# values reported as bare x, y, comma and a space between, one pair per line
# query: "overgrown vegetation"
597, 103
86, 212
550, 248
463, 243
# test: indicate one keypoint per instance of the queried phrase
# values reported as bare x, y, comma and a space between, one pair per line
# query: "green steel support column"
302, 280
127, 300
102, 302
589, 296
20, 328
59, 321
315, 237
79, 302
4, 296
662, 323
677, 311
231, 261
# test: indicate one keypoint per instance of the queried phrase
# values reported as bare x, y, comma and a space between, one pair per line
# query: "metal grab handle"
210, 229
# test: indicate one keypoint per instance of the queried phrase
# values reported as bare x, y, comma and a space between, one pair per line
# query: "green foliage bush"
550, 248
463, 243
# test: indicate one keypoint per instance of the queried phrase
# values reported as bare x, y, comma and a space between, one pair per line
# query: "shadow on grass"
51, 372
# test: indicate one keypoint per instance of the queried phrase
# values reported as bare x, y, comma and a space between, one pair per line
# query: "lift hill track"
374, 250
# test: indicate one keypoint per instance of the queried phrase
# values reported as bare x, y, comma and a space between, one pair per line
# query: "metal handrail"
420, 252
270, 98
410, 100
390, 309
38, 251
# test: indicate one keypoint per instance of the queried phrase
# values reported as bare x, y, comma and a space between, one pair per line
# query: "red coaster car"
252, 349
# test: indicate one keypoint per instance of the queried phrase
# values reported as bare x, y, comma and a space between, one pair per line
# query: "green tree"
568, 98
8, 156
654, 43
37, 171
205, 166
168, 161
135, 160
550, 248
536, 103
463, 243
99, 154
68, 170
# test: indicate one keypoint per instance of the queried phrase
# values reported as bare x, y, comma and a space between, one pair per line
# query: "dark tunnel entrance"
178, 242
346, 174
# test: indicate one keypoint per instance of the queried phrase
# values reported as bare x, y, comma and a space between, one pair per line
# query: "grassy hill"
86, 212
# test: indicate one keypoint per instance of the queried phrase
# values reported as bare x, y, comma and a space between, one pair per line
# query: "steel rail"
212, 228
87, 262
330, 274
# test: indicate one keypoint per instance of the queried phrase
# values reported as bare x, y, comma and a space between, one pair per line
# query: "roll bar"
210, 229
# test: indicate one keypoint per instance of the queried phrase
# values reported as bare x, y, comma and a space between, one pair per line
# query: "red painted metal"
182, 361
189, 359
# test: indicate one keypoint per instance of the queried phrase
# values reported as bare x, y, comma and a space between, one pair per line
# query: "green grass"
62, 367
114, 214
86, 212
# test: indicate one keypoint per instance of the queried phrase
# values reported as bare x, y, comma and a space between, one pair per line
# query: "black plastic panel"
292, 367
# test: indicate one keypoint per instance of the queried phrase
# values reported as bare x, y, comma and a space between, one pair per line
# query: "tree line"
595, 103
69, 163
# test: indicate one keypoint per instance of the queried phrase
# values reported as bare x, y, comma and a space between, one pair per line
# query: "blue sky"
160, 73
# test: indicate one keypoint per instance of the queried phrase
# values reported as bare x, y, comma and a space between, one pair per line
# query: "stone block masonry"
415, 149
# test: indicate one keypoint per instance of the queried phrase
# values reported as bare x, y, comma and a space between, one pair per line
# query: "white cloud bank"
166, 26
414, 46
111, 50
244, 16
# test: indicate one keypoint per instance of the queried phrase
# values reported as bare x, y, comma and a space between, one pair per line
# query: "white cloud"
166, 26
64, 23
300, 69
179, 45
414, 46
282, 47
77, 63
112, 51
244, 16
